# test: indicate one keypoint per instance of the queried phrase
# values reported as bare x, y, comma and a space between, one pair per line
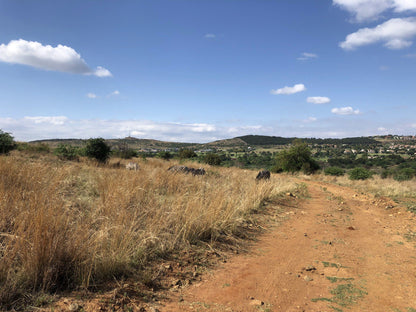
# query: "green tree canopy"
297, 158
6, 142
98, 149
212, 159
186, 153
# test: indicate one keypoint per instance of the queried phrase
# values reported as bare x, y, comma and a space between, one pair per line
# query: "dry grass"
375, 185
70, 225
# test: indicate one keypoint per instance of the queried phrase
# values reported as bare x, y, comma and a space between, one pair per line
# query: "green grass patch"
331, 265
334, 279
344, 296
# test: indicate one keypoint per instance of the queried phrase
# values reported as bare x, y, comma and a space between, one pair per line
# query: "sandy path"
337, 241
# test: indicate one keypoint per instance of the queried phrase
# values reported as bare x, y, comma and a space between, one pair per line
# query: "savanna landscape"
87, 234
207, 156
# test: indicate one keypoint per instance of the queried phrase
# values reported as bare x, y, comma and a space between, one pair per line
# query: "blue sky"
203, 70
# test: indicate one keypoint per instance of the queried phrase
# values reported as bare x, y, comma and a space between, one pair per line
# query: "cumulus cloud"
368, 10
307, 56
396, 33
91, 95
345, 111
59, 58
318, 99
289, 90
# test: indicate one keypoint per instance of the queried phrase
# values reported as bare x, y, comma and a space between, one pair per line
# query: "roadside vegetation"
78, 224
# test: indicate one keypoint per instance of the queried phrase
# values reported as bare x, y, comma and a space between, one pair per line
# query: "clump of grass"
68, 225
344, 295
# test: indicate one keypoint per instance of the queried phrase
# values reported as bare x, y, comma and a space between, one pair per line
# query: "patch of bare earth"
339, 251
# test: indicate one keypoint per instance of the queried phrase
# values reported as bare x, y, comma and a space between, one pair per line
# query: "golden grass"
66, 225
375, 185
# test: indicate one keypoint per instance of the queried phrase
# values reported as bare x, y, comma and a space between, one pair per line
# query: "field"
78, 225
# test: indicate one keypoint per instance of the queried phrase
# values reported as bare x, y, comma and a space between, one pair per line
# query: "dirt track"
338, 251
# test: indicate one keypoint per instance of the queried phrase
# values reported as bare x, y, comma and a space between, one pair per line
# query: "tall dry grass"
66, 225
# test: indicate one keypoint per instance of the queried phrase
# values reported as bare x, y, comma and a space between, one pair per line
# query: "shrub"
297, 158
212, 159
6, 142
334, 171
66, 152
164, 155
385, 173
404, 174
360, 174
186, 153
98, 149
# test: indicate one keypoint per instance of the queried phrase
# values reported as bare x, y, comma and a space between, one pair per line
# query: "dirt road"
338, 251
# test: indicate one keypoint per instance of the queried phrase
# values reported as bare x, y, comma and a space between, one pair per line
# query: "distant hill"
273, 140
238, 142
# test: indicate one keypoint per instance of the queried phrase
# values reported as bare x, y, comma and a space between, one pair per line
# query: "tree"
6, 142
186, 153
98, 149
212, 159
297, 158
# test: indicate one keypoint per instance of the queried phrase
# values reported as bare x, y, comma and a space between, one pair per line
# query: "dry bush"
66, 225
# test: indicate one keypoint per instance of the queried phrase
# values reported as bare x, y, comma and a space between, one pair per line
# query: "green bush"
334, 171
386, 173
164, 155
297, 158
186, 153
98, 149
360, 174
212, 159
404, 174
6, 142
66, 152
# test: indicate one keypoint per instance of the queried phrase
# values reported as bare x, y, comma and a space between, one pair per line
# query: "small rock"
256, 302
310, 268
307, 278
351, 228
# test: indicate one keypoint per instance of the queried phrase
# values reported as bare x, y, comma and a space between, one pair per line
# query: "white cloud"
318, 99
345, 111
114, 93
382, 129
53, 120
307, 56
404, 5
59, 58
364, 10
210, 36
91, 95
396, 33
368, 10
100, 72
289, 90
410, 55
